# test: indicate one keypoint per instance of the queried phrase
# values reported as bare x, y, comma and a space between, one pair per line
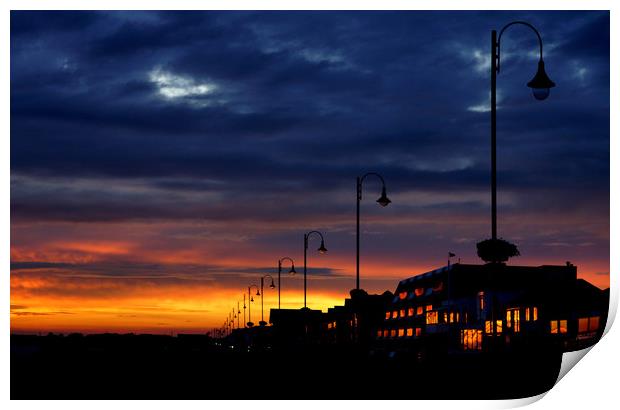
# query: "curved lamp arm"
524, 23
267, 276
286, 258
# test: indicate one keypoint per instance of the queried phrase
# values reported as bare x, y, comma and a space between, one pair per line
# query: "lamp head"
272, 286
292, 271
383, 200
257, 292
541, 83
322, 248
252, 299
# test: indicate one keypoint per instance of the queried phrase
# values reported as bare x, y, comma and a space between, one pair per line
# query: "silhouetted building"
493, 307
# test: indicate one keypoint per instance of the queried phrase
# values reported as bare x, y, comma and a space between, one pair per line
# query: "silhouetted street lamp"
262, 292
238, 316
383, 201
244, 322
250, 300
321, 249
540, 86
292, 272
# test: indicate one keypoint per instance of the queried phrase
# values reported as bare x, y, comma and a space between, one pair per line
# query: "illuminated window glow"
395, 314
410, 311
418, 331
429, 307
418, 291
402, 313
419, 310
488, 327
471, 339
558, 326
513, 318
402, 295
432, 318
534, 313
387, 315
409, 332
527, 314
393, 333
498, 326
401, 332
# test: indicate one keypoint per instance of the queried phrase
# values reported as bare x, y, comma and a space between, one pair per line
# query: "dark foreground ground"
195, 367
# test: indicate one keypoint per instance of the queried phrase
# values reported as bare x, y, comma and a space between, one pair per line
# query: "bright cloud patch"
174, 86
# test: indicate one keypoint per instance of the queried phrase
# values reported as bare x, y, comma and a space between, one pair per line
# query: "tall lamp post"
321, 249
292, 272
383, 201
250, 300
262, 295
540, 86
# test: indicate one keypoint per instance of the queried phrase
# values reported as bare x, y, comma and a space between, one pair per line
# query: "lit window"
385, 333
431, 318
418, 331
498, 326
457, 316
410, 311
563, 326
409, 332
513, 318
516, 317
329, 325
419, 310
445, 317
451, 317
419, 291
395, 314
393, 333
534, 313
402, 295
488, 327
401, 332
527, 314
583, 325
379, 333
402, 313
387, 315
471, 339
594, 323
481, 300
554, 327
429, 307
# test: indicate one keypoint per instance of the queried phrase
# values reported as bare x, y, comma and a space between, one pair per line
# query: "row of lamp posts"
540, 85
383, 201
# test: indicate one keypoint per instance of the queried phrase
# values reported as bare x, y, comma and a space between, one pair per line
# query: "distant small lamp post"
292, 272
540, 85
250, 300
238, 316
383, 201
262, 295
321, 249
244, 322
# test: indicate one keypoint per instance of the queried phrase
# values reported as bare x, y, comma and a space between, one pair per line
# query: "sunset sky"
161, 162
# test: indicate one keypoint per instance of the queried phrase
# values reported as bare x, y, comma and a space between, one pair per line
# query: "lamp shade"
383, 200
322, 248
541, 83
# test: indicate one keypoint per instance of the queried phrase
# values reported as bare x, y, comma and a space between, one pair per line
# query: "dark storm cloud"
264, 108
